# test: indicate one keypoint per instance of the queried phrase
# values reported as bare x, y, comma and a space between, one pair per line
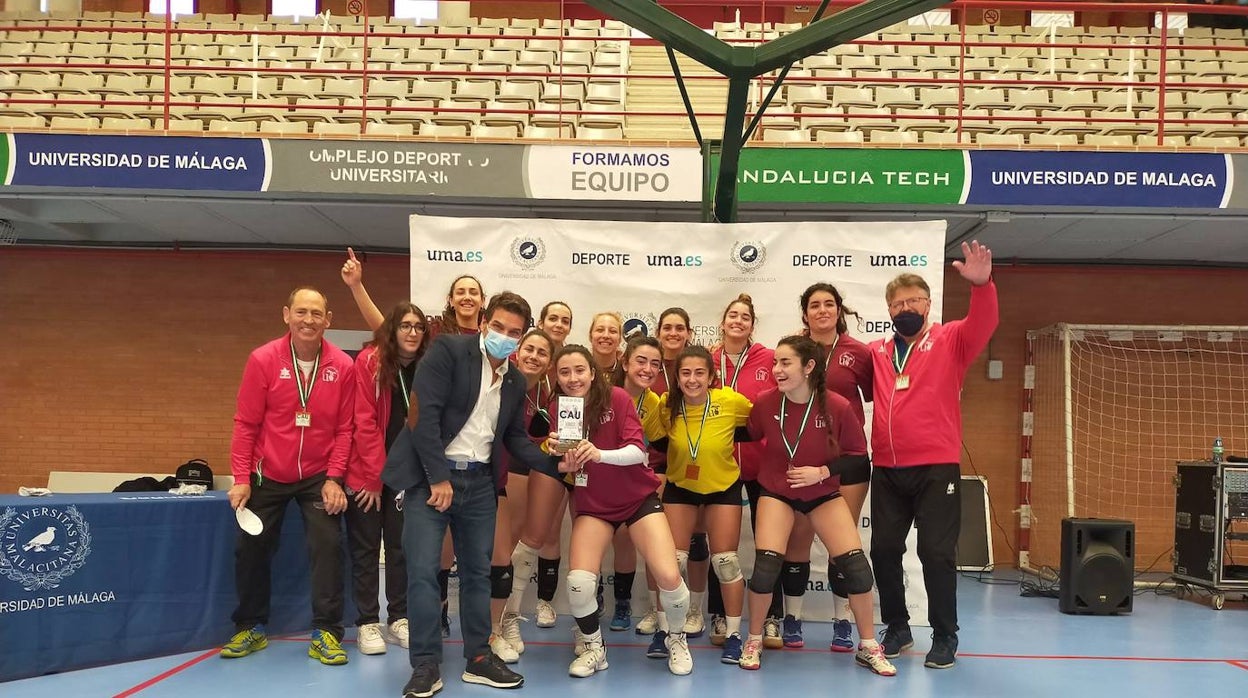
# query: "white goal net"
1108, 410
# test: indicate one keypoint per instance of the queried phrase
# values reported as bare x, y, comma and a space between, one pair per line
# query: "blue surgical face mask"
499, 346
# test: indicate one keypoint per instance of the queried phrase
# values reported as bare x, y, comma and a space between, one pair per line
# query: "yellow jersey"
707, 430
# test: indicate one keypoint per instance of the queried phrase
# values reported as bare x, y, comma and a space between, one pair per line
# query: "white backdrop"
640, 268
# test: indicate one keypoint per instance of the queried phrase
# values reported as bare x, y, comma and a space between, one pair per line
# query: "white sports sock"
695, 600
734, 625
793, 606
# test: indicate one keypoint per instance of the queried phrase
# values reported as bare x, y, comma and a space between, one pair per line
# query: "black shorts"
515, 467
502, 491
801, 506
674, 494
858, 474
649, 505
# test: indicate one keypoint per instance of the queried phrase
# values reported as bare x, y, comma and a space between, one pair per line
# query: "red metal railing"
1157, 50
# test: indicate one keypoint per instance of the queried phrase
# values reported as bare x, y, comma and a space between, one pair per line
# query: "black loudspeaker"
1098, 566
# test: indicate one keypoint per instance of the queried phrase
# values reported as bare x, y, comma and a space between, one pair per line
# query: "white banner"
613, 173
640, 268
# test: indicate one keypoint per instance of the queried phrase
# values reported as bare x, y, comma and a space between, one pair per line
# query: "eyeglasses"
410, 328
913, 303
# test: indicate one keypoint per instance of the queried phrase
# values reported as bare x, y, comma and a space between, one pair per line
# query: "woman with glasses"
532, 359
847, 365
383, 381
462, 315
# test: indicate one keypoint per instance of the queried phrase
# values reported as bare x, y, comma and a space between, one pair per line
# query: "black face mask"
907, 323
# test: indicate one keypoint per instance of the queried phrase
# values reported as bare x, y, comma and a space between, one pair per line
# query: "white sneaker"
398, 632
648, 623
719, 630
679, 660
546, 615
695, 624
511, 631
369, 639
592, 659
503, 649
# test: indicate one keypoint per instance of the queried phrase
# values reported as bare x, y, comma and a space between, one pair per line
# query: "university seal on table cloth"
43, 545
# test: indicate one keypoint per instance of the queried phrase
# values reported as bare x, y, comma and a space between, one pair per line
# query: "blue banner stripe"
1168, 180
138, 162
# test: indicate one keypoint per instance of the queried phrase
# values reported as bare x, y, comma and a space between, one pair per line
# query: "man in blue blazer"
469, 406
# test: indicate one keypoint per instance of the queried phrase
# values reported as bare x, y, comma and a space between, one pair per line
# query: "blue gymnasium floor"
1010, 646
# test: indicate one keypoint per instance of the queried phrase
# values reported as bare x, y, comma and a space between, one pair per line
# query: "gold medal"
303, 419
691, 471
903, 382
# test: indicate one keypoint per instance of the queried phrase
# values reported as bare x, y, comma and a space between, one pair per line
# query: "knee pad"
836, 583
675, 601
728, 567
524, 561
854, 568
794, 578
582, 593
682, 561
767, 564
500, 581
699, 547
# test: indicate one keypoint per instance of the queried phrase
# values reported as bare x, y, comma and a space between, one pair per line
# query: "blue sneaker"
658, 645
623, 618
732, 649
793, 633
842, 636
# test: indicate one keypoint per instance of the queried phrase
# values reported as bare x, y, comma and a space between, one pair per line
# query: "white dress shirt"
475, 441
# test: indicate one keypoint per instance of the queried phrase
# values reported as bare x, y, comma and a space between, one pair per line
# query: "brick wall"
129, 361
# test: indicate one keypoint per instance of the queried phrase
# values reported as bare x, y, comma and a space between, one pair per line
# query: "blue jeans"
471, 515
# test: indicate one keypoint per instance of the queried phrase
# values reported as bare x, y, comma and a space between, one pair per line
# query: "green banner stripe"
841, 175
6, 172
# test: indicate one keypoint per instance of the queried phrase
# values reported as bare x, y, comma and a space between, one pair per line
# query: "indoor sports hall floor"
1011, 647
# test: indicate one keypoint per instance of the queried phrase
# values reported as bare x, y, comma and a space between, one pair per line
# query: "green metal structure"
742, 63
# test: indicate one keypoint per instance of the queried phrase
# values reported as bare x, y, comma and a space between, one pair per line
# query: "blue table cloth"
90, 579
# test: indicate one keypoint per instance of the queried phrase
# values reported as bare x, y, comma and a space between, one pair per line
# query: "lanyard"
827, 358
899, 359
305, 392
640, 398
693, 448
407, 400
792, 449
723, 365
537, 404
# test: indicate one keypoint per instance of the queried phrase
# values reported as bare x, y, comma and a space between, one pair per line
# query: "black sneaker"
944, 652
897, 639
426, 680
489, 670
